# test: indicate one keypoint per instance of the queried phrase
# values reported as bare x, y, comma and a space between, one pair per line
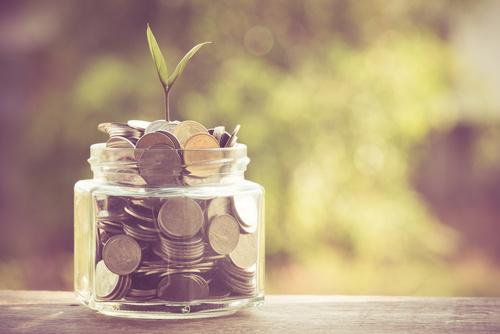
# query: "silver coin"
233, 138
223, 234
122, 254
245, 208
155, 126
106, 282
218, 206
120, 142
180, 217
138, 124
161, 125
245, 254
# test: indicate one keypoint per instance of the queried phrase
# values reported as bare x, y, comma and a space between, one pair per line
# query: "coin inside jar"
245, 208
122, 254
218, 206
180, 217
106, 282
245, 254
223, 234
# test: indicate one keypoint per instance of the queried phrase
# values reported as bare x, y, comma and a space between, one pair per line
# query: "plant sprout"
161, 66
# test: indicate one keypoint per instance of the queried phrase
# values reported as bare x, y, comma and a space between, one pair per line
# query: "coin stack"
175, 249
170, 153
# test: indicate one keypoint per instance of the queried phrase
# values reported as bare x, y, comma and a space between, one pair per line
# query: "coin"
155, 126
151, 139
233, 138
218, 206
245, 207
139, 212
106, 282
161, 125
199, 156
173, 138
180, 217
185, 130
119, 129
120, 142
218, 132
160, 165
223, 234
138, 124
245, 253
121, 254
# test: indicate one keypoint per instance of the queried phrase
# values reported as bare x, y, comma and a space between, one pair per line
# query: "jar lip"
101, 148
164, 166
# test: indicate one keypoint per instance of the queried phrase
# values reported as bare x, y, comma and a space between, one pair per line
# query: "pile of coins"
175, 153
177, 249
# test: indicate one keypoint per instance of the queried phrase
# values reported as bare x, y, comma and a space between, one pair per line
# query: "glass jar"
156, 237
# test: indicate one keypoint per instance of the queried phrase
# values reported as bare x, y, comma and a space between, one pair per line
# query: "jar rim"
164, 166
101, 147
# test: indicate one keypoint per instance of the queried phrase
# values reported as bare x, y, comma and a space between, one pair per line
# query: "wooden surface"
58, 312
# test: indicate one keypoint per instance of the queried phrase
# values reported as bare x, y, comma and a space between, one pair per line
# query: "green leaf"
161, 65
182, 64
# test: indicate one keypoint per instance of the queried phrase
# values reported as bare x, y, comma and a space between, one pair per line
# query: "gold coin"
185, 130
223, 234
201, 155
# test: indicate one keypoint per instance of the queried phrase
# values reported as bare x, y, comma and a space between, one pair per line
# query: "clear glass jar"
160, 240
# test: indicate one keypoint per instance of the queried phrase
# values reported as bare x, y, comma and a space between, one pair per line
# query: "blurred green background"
373, 125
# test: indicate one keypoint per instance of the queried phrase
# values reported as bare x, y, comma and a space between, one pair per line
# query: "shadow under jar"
166, 233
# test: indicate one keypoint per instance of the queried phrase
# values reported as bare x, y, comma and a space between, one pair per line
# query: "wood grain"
57, 312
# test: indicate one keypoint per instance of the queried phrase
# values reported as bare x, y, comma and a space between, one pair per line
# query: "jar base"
167, 310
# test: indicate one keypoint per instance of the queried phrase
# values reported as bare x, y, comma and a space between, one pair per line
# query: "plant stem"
167, 106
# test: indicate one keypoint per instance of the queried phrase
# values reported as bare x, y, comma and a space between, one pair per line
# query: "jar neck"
165, 167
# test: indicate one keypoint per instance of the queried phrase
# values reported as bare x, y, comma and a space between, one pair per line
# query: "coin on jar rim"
245, 208
180, 217
186, 129
106, 282
155, 125
233, 138
200, 152
120, 142
223, 234
122, 254
173, 138
218, 131
245, 254
151, 139
161, 125
218, 206
160, 165
138, 124
105, 127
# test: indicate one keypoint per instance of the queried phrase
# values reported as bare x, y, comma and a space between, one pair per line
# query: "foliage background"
373, 125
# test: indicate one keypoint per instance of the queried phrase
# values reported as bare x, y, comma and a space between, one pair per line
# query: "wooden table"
58, 312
